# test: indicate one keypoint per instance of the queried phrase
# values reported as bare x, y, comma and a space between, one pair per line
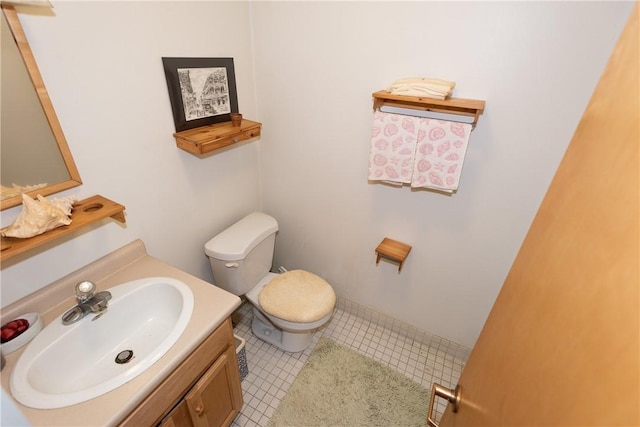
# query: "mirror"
35, 157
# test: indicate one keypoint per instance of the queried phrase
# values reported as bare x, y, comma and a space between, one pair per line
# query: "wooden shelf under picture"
205, 139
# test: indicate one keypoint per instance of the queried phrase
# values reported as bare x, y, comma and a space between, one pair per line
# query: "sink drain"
124, 356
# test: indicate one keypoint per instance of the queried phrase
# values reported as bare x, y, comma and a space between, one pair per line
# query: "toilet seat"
298, 296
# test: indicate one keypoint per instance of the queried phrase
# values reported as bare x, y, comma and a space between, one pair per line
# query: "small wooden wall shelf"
206, 139
85, 212
464, 107
393, 250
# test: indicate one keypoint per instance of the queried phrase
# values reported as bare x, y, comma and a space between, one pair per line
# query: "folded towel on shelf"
422, 86
425, 80
393, 145
440, 153
420, 92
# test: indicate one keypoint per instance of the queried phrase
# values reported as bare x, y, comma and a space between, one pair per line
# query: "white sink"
65, 365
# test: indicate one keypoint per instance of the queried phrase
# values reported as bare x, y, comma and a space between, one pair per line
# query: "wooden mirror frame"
34, 73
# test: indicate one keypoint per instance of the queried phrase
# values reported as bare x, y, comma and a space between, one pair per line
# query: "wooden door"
179, 417
216, 398
561, 344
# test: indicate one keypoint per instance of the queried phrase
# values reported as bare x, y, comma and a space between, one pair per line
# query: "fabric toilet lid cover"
298, 296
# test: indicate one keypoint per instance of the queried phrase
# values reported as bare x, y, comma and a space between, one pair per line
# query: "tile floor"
423, 357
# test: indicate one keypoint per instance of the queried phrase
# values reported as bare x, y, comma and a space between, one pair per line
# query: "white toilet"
287, 307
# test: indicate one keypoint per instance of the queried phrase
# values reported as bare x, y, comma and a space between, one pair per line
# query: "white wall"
317, 63
101, 62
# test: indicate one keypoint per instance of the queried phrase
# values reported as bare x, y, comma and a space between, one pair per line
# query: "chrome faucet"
88, 302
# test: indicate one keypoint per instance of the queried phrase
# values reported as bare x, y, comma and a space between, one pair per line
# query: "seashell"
63, 203
40, 216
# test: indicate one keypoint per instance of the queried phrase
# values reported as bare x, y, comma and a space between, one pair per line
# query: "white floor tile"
419, 355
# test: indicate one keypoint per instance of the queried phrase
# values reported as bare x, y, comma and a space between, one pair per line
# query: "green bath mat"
340, 387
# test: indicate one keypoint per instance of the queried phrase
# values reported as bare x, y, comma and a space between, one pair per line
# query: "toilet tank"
242, 254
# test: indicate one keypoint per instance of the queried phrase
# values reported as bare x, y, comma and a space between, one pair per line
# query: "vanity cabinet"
203, 391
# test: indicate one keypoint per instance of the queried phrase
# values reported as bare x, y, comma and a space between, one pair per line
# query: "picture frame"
202, 91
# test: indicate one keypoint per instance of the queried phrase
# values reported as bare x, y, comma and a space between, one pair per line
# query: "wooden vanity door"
179, 417
216, 398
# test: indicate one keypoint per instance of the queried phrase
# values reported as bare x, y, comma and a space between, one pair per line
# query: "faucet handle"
101, 304
85, 290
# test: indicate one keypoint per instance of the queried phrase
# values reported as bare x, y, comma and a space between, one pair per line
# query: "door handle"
452, 396
199, 409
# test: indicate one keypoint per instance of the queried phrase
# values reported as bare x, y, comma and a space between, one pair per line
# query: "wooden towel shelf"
464, 107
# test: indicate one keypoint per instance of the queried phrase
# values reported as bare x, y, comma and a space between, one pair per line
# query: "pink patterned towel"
440, 153
393, 146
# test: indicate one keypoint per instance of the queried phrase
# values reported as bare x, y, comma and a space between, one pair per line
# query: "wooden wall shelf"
464, 107
393, 250
85, 212
206, 139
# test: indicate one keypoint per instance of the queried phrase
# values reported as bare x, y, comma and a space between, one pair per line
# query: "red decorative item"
13, 329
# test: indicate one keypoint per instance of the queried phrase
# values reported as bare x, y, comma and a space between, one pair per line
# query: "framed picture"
202, 91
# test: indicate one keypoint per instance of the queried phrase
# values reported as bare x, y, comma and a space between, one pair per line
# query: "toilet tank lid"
238, 240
